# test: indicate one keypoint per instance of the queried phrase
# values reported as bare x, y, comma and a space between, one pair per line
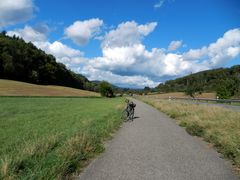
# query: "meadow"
53, 138
18, 88
217, 125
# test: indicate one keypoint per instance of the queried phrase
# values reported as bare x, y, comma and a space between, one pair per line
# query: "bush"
106, 89
223, 93
192, 90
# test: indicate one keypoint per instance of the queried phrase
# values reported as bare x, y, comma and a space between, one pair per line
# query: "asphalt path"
154, 147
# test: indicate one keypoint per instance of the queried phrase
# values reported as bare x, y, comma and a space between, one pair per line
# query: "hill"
179, 95
224, 81
23, 61
16, 88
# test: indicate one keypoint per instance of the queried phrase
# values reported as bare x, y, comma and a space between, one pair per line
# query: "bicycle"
128, 112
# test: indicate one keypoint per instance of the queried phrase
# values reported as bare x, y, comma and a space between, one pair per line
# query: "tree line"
25, 62
224, 81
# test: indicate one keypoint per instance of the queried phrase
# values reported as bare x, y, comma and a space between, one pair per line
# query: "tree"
228, 88
106, 89
7, 63
146, 90
192, 90
4, 33
223, 92
34, 76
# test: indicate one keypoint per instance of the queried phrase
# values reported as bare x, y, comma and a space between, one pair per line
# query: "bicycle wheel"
124, 115
131, 115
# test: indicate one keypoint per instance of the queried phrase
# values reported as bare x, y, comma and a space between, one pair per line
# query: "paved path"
153, 147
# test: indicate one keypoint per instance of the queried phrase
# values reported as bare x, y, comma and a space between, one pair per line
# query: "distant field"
50, 138
182, 95
17, 88
217, 125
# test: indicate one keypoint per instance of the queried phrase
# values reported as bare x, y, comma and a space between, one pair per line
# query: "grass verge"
53, 138
217, 125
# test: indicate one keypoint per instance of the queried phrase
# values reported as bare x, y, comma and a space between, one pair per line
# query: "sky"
129, 43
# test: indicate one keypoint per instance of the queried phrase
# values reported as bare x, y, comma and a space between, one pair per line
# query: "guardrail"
206, 99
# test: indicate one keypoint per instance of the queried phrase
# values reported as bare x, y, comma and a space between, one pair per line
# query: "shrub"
106, 89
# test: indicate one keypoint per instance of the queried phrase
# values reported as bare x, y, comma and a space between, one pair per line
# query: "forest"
224, 81
25, 62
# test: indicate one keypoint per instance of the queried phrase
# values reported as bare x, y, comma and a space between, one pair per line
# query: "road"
154, 147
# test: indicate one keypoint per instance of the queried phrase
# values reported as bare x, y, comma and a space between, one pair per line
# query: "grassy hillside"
224, 81
181, 95
217, 125
17, 88
50, 138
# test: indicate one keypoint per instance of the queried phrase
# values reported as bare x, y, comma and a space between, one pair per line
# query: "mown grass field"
17, 88
217, 125
53, 138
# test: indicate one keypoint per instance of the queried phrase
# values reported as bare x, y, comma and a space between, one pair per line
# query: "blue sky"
132, 43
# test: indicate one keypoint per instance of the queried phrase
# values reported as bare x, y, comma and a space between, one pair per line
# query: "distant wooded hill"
224, 81
25, 62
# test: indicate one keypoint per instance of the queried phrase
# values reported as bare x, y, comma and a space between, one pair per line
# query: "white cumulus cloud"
82, 31
15, 11
127, 34
128, 59
38, 37
28, 33
120, 80
218, 53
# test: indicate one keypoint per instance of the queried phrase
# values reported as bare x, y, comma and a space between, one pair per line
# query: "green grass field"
49, 138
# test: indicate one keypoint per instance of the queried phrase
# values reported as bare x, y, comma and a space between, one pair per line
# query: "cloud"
159, 4
42, 28
82, 31
127, 34
28, 33
122, 59
38, 37
233, 51
126, 61
13, 12
63, 53
218, 53
195, 53
119, 80
59, 50
174, 45
137, 61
